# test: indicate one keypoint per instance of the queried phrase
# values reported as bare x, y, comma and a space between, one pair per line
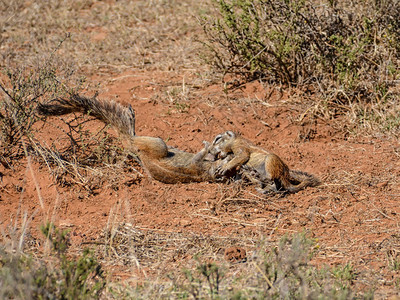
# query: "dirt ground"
354, 213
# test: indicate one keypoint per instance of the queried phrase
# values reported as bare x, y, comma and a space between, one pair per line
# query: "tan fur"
163, 163
258, 165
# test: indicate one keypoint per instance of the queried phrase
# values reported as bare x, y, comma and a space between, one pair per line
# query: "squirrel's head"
220, 147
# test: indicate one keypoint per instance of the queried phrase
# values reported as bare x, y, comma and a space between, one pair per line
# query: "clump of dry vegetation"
270, 270
348, 55
280, 270
77, 156
17, 111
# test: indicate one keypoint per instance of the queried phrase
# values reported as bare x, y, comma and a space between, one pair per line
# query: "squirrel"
163, 163
258, 165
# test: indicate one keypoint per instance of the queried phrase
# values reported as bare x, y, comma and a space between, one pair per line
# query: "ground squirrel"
163, 163
258, 165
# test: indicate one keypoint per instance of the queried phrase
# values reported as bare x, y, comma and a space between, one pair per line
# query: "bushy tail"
110, 112
302, 179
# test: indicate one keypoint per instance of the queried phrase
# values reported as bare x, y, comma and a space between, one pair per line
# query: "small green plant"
77, 279
22, 277
280, 270
283, 272
345, 275
208, 276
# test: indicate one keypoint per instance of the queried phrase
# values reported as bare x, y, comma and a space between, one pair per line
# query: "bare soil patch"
148, 59
353, 214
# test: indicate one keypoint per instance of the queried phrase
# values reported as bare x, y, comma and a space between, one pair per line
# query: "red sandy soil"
354, 213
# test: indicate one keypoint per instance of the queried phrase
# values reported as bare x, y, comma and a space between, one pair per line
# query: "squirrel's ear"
231, 134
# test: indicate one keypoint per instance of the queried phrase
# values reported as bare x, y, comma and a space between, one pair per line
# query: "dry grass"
89, 160
141, 35
155, 250
113, 36
176, 260
73, 39
134, 34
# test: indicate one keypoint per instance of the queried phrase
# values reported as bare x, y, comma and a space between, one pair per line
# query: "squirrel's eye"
217, 139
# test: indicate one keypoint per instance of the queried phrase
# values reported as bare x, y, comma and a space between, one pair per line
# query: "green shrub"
76, 279
206, 280
345, 49
22, 277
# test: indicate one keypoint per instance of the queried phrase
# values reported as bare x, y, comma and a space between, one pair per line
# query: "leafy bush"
76, 279
21, 277
347, 50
